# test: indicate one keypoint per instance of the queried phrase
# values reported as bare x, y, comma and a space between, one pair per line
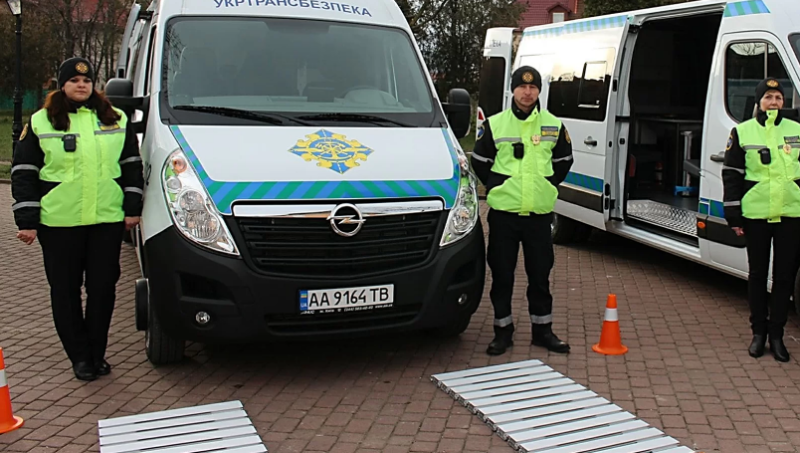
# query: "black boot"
757, 346
84, 371
778, 349
102, 367
503, 339
543, 336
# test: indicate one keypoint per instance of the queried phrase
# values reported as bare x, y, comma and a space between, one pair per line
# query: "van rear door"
495, 83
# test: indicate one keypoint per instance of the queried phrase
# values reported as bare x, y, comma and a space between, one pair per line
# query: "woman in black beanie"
761, 178
76, 179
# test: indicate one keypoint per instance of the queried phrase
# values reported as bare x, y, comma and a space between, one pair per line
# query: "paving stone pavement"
687, 371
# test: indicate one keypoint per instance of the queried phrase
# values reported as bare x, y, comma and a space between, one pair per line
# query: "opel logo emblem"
346, 220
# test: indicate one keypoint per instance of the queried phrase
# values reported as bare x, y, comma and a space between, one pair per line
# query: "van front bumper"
246, 305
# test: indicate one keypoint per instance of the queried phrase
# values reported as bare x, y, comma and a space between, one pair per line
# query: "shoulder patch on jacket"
566, 135
730, 143
24, 133
549, 131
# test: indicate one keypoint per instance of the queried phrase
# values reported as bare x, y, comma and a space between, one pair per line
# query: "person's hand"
739, 231
131, 222
27, 236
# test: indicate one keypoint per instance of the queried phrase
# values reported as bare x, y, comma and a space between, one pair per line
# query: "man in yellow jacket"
521, 157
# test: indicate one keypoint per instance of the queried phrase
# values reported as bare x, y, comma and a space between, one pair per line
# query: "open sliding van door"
580, 65
494, 93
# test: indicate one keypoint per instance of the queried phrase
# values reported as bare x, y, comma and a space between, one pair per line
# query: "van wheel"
141, 298
796, 296
565, 230
161, 348
454, 328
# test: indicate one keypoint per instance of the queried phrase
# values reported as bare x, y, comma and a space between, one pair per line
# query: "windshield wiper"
271, 118
359, 118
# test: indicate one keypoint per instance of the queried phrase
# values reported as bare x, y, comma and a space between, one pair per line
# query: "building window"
559, 17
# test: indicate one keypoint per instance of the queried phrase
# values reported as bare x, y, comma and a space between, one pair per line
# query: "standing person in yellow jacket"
761, 177
76, 179
521, 157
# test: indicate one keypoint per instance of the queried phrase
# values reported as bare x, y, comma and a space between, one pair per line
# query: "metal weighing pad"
537, 409
221, 427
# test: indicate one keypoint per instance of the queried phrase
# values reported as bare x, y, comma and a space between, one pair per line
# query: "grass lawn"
468, 142
6, 142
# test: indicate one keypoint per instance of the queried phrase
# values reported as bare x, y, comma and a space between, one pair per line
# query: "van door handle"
718, 157
590, 142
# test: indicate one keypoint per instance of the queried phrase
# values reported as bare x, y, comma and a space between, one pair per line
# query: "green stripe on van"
746, 8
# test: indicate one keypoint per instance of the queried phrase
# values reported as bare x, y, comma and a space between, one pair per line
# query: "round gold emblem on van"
527, 77
82, 68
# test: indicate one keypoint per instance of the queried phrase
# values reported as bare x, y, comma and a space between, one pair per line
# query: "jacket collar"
521, 115
763, 116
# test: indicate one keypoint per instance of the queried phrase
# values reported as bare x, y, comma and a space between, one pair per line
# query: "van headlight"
465, 213
193, 212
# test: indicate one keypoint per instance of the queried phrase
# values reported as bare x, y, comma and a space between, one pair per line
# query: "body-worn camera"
766, 156
70, 143
519, 150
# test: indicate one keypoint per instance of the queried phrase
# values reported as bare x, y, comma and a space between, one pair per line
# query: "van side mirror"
459, 111
120, 93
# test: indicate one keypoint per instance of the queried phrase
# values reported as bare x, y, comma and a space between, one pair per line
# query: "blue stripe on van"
585, 181
579, 27
712, 208
746, 8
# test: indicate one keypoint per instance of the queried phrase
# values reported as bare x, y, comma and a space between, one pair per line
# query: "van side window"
747, 64
579, 86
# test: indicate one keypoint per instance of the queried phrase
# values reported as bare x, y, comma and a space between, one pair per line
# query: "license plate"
346, 299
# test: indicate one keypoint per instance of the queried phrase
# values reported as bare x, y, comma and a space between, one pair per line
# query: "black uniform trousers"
68, 253
770, 317
506, 231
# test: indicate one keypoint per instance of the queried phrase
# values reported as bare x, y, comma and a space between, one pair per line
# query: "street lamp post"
16, 9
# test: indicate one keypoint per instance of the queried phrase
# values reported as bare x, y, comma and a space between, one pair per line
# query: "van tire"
161, 349
454, 328
565, 230
796, 295
140, 301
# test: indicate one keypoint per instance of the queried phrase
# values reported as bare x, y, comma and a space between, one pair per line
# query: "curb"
5, 181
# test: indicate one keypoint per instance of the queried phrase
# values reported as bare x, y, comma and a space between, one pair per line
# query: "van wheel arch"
565, 230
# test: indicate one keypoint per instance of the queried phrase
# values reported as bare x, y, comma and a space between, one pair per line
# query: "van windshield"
293, 68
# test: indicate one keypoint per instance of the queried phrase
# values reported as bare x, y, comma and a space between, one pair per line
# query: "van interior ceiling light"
192, 210
464, 216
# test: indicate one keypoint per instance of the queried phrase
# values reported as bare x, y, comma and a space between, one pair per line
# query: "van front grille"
309, 247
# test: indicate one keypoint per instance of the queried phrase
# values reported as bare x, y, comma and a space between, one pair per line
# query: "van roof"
374, 12
776, 9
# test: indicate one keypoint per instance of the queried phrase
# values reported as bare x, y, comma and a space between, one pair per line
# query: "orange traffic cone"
610, 340
8, 422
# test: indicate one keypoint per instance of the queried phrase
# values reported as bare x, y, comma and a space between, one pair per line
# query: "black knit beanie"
766, 85
74, 67
526, 74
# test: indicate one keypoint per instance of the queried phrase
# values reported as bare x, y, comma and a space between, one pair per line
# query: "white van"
303, 180
649, 98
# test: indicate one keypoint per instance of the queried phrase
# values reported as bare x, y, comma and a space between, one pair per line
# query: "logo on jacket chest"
111, 127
